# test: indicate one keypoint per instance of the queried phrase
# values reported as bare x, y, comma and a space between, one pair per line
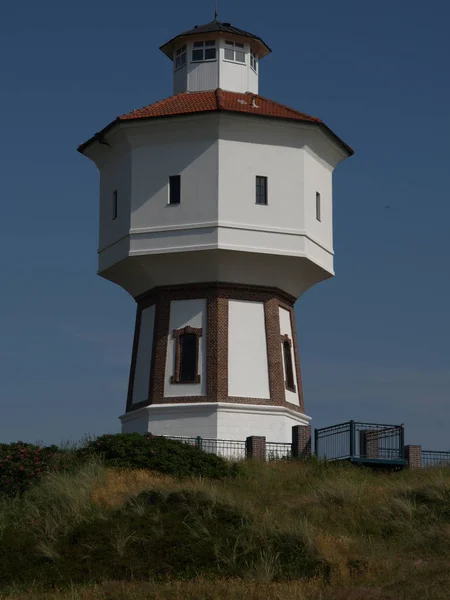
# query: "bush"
136, 451
22, 464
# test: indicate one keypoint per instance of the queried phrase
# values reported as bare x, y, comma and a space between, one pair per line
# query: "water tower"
215, 215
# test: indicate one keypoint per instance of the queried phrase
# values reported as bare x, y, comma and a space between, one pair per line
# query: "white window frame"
181, 57
318, 207
253, 60
203, 47
235, 47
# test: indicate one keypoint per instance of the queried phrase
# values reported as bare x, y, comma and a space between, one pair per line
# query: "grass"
309, 530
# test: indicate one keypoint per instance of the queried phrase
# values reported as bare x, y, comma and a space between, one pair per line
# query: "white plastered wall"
185, 313
188, 149
286, 329
318, 178
223, 420
115, 174
144, 356
248, 373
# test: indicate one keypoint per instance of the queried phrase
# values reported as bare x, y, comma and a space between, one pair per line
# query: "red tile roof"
196, 102
217, 100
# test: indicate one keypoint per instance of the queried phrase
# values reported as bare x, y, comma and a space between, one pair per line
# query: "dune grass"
305, 530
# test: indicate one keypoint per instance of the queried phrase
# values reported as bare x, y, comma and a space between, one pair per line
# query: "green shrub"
22, 464
136, 451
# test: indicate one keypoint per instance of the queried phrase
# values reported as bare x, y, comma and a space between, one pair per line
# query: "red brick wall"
301, 441
413, 455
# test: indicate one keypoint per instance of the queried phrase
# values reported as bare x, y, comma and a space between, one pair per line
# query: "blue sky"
374, 341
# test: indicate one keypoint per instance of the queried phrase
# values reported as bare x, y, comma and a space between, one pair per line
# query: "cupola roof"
217, 100
215, 27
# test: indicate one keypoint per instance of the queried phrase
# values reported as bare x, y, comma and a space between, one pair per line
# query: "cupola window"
181, 56
253, 61
203, 51
234, 52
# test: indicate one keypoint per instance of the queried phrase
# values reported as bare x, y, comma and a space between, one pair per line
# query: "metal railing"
360, 441
277, 451
234, 449
229, 449
435, 458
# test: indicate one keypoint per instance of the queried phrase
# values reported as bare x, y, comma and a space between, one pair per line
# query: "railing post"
256, 447
301, 441
402, 441
413, 456
352, 439
198, 442
316, 442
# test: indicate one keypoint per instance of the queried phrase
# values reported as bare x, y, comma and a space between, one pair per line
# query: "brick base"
413, 455
256, 447
301, 441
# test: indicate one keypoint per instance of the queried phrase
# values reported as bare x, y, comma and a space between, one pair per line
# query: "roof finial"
216, 14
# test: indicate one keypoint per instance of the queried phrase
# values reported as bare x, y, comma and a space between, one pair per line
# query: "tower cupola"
216, 55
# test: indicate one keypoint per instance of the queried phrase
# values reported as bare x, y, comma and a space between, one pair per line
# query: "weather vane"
216, 14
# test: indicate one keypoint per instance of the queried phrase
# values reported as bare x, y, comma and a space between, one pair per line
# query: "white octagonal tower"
215, 215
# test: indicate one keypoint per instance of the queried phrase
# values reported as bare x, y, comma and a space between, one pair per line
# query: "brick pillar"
256, 447
413, 455
301, 441
372, 443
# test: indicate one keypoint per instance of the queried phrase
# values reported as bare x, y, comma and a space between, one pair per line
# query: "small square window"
115, 198
318, 207
198, 44
240, 56
261, 190
229, 54
210, 43
197, 55
175, 189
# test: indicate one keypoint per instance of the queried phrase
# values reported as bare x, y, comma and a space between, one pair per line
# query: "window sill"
196, 382
198, 62
173, 204
235, 62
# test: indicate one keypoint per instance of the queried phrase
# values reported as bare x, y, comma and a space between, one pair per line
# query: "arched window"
288, 363
186, 355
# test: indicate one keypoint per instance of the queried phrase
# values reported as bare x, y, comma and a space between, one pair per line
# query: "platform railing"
435, 458
363, 442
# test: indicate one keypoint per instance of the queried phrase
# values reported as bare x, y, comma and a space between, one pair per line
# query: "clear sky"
374, 341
